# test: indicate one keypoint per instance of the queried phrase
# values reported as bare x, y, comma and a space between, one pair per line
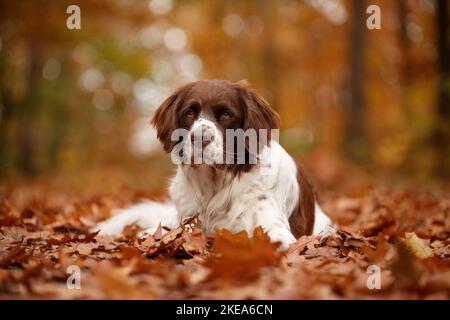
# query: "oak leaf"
238, 258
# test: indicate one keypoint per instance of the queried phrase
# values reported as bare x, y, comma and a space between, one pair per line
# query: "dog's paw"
283, 236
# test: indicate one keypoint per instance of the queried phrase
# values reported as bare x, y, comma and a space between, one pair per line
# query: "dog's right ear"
165, 119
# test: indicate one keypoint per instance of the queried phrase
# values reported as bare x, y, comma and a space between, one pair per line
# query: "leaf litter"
405, 234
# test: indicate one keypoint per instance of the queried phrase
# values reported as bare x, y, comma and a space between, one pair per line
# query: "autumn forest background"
366, 111
77, 102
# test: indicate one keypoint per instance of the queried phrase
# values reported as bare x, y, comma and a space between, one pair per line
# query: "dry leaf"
419, 247
41, 236
236, 257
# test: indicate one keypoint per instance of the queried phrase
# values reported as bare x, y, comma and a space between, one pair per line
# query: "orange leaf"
238, 258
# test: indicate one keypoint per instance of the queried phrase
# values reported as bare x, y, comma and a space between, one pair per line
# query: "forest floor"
392, 243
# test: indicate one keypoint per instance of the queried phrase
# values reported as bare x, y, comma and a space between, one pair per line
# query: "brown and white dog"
233, 186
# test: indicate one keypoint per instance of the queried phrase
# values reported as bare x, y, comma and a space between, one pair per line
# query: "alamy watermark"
374, 20
374, 280
74, 19
233, 147
73, 282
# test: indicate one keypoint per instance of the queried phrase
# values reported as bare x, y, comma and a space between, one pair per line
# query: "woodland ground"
44, 230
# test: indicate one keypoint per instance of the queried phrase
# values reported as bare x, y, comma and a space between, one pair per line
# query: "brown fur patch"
302, 219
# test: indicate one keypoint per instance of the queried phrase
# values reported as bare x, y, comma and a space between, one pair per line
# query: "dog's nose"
207, 134
207, 140
205, 137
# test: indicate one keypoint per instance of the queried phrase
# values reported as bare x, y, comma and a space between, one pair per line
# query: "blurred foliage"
77, 101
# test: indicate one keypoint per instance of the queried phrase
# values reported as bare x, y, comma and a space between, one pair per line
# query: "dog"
232, 181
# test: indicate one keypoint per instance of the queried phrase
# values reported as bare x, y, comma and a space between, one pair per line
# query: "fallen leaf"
419, 247
238, 258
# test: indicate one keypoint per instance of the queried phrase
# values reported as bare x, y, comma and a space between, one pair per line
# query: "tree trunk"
441, 136
6, 113
269, 54
355, 136
406, 65
26, 134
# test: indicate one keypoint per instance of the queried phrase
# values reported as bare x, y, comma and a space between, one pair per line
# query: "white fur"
265, 196
148, 215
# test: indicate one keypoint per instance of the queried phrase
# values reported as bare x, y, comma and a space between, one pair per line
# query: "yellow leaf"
419, 247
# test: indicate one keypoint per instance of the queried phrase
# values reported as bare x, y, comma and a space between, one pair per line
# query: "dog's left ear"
258, 114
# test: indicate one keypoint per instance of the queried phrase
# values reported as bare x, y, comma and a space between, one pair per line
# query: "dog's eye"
189, 113
225, 115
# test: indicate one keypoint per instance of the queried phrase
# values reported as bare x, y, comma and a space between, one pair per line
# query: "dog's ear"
165, 119
258, 114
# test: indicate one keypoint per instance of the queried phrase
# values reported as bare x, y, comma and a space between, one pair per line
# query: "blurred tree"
6, 113
441, 134
271, 76
404, 43
27, 108
36, 113
355, 135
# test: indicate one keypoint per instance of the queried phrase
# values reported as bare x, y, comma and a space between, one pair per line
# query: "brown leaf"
238, 258
194, 242
16, 255
116, 282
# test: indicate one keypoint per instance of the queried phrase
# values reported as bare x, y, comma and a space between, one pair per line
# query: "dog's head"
215, 122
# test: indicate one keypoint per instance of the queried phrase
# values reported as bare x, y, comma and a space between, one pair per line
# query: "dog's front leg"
270, 217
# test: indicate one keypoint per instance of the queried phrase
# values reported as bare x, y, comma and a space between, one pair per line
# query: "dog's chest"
210, 194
